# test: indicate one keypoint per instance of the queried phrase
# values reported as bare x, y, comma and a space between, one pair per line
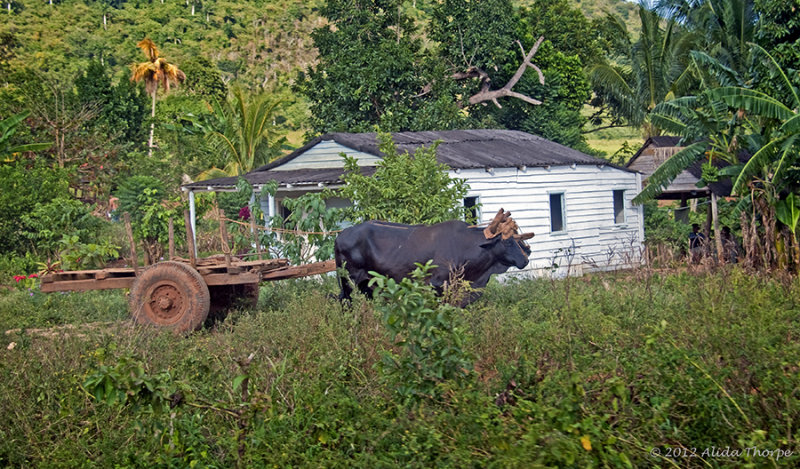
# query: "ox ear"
489, 243
524, 236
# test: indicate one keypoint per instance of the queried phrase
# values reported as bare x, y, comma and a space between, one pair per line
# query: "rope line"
282, 230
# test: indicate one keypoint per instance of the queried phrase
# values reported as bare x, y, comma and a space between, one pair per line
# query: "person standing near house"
697, 241
730, 247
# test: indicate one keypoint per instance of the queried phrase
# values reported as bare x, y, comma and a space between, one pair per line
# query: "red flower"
33, 276
19, 277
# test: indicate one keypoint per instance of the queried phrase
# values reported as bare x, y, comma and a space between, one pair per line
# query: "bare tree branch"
487, 94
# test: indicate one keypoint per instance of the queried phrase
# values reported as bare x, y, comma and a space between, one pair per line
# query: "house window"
473, 209
557, 215
283, 211
619, 207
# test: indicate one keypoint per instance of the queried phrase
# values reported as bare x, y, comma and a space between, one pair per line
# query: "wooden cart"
181, 293
179, 296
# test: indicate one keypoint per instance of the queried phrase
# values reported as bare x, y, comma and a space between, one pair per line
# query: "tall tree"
653, 69
156, 71
204, 80
369, 68
779, 30
723, 30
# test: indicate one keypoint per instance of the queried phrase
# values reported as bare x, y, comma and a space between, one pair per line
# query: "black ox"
391, 249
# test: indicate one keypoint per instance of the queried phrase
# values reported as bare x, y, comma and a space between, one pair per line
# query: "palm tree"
653, 70
156, 71
708, 130
725, 28
244, 134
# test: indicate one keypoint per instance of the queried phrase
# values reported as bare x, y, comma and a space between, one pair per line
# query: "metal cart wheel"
172, 295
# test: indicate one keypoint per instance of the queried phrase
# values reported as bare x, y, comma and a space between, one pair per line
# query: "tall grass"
601, 370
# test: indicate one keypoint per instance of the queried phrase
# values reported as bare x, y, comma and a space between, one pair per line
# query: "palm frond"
149, 48
788, 150
668, 123
758, 161
30, 147
9, 125
669, 170
792, 125
707, 65
226, 143
213, 173
675, 116
753, 101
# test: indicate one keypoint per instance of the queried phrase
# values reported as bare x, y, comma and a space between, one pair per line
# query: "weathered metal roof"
464, 149
297, 177
459, 149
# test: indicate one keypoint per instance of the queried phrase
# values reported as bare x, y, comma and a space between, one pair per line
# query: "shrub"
404, 189
23, 185
49, 222
427, 331
150, 209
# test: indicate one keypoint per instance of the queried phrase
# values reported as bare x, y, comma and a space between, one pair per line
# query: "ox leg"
346, 288
365, 289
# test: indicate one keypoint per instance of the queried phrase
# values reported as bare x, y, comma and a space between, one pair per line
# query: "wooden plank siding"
327, 154
596, 241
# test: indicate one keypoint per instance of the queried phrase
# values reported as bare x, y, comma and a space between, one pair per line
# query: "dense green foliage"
571, 373
404, 189
147, 203
428, 332
50, 221
25, 184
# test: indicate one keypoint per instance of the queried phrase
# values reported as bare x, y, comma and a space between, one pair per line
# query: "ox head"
502, 238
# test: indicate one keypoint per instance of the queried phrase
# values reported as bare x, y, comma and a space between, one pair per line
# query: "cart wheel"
172, 295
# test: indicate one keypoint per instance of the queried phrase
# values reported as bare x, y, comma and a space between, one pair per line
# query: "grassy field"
632, 369
610, 141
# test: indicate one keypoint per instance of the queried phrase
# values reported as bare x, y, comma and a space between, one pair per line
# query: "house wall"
592, 240
326, 154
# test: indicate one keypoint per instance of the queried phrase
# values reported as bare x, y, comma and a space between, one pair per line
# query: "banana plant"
782, 109
788, 212
8, 128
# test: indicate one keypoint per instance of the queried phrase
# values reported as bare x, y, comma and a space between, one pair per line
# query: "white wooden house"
579, 206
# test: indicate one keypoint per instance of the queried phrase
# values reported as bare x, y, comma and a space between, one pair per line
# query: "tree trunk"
717, 233
152, 125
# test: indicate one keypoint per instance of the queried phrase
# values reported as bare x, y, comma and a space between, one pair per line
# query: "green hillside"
256, 43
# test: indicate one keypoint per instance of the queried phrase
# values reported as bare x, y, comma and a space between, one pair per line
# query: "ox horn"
509, 228
491, 230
